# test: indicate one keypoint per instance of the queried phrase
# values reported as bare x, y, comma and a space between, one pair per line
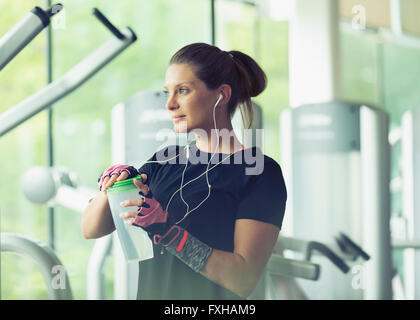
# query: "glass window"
383, 73
21, 149
82, 123
359, 66
82, 119
376, 13
400, 70
410, 12
241, 27
401, 92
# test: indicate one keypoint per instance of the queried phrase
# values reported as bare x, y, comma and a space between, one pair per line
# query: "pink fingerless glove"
152, 214
151, 217
117, 169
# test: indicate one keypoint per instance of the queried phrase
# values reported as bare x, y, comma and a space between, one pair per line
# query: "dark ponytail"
216, 67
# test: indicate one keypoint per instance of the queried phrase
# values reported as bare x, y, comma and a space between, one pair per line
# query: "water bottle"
135, 242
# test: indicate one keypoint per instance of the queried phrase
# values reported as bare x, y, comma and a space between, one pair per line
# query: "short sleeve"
148, 168
264, 197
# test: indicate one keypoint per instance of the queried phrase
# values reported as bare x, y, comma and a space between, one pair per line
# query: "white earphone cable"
206, 172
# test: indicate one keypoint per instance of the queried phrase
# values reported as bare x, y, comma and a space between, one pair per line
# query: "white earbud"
218, 100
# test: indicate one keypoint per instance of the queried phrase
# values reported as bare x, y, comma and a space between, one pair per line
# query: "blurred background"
378, 59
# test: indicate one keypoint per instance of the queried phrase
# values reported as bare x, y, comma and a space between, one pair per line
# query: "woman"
214, 225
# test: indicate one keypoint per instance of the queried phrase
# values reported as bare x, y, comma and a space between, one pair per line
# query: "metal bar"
23, 32
327, 252
406, 244
61, 87
396, 23
44, 258
213, 21
257, 32
289, 243
50, 142
95, 282
246, 2
280, 265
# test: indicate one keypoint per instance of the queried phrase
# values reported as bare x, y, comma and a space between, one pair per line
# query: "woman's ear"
226, 91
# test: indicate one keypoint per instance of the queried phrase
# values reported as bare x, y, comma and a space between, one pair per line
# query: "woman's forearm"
97, 219
241, 270
231, 271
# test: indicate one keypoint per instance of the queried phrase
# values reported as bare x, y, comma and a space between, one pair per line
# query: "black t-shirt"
247, 185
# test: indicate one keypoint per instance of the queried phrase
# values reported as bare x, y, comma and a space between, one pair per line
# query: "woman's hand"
116, 173
155, 221
150, 216
144, 189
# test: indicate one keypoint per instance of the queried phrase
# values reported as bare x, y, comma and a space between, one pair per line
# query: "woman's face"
190, 103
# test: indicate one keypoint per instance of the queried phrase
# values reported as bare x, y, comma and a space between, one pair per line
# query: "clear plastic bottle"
135, 242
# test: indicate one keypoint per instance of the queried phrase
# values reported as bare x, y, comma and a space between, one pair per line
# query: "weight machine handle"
350, 247
54, 9
307, 248
107, 23
327, 252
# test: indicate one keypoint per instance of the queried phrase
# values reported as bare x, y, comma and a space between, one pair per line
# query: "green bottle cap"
124, 183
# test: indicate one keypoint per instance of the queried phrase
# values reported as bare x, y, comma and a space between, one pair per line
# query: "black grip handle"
54, 9
107, 23
350, 254
327, 252
350, 245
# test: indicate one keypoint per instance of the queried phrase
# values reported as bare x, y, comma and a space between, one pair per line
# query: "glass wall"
81, 121
400, 79
359, 66
373, 72
243, 27
21, 149
383, 73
